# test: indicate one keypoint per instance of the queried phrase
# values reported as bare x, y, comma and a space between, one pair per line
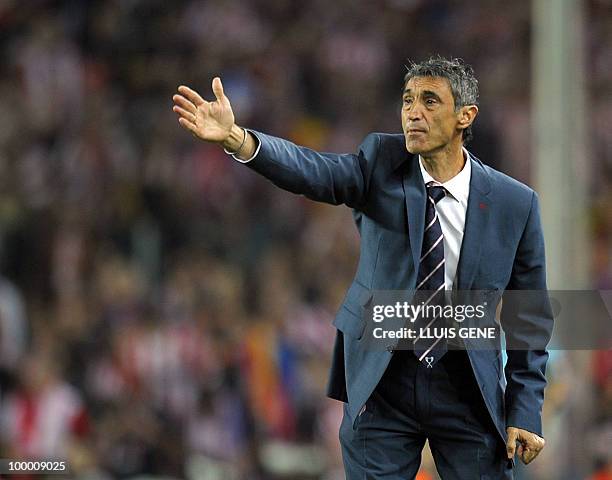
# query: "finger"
529, 456
187, 125
191, 95
525, 456
511, 443
184, 113
534, 442
217, 88
184, 103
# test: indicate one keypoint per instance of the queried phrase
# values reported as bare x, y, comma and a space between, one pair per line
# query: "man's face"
429, 119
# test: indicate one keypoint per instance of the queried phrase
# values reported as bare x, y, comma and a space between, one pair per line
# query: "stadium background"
165, 313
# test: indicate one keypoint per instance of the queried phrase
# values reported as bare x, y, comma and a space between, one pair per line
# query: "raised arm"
325, 177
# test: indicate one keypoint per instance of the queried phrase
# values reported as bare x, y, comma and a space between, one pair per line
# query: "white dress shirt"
451, 212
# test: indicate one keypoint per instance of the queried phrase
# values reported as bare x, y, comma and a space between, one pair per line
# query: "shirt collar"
459, 185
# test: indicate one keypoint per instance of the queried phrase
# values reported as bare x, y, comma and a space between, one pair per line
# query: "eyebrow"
426, 94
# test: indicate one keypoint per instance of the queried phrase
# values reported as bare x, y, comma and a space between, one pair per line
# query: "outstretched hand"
529, 447
210, 121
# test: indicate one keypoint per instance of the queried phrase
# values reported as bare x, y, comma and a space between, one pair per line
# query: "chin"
414, 148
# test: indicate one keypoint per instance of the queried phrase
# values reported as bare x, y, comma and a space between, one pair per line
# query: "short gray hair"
460, 76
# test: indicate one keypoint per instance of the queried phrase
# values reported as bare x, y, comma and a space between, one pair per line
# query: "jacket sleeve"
324, 177
528, 324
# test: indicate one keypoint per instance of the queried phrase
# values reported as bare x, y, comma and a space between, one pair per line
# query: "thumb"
217, 88
511, 443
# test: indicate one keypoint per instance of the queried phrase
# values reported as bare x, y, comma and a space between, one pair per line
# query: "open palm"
210, 121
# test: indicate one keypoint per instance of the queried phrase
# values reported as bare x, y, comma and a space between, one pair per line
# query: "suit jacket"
502, 248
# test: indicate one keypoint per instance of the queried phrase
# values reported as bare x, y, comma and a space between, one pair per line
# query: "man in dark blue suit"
431, 216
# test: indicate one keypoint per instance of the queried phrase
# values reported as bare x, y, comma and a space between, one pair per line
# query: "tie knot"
436, 192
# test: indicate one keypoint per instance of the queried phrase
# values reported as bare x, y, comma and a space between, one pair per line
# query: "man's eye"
430, 101
407, 101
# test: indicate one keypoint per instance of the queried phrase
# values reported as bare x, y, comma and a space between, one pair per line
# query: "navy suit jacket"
502, 248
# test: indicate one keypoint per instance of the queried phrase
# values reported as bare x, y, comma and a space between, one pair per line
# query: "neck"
445, 163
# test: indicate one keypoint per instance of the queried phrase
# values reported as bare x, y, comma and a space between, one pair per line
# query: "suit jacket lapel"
477, 217
414, 188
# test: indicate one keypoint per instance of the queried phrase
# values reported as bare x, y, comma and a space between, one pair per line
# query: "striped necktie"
431, 279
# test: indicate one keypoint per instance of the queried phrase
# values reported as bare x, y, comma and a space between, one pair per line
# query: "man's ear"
466, 116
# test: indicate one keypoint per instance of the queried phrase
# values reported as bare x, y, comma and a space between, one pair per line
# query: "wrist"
234, 139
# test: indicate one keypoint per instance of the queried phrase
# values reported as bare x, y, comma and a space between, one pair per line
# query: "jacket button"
390, 348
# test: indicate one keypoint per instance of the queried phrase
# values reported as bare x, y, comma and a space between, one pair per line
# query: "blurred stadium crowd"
163, 311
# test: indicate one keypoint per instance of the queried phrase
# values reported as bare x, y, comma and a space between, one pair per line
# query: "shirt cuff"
256, 149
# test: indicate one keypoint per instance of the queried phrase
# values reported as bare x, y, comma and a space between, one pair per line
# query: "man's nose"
414, 112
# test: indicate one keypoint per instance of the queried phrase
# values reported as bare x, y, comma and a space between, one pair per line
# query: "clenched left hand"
529, 447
